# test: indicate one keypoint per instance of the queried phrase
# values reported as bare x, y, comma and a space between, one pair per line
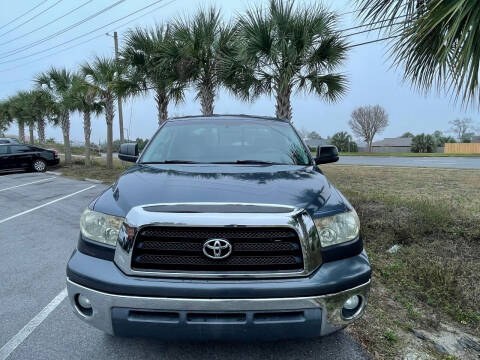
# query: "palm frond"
437, 44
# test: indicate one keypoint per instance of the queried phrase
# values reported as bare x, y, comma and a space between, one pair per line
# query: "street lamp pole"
119, 100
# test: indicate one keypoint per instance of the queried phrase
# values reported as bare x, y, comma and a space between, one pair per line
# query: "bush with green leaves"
344, 143
423, 143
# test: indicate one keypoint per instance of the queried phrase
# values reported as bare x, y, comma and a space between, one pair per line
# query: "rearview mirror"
128, 152
326, 154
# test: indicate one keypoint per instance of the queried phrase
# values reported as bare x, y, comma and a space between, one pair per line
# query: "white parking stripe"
20, 337
30, 183
41, 206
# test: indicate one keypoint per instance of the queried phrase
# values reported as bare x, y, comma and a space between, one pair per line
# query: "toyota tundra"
225, 228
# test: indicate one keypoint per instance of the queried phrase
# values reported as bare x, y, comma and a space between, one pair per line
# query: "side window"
18, 149
3, 150
4, 141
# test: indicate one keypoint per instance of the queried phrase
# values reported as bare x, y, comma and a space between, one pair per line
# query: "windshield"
226, 141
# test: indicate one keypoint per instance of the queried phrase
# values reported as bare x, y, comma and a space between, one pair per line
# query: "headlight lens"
100, 227
338, 228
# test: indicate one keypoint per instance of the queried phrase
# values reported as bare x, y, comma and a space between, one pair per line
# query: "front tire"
39, 165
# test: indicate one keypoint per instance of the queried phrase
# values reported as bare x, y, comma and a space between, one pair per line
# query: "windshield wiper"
254, 162
171, 162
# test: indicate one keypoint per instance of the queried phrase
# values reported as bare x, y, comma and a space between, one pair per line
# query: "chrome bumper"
330, 305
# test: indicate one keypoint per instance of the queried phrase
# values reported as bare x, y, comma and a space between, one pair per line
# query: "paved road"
437, 162
39, 216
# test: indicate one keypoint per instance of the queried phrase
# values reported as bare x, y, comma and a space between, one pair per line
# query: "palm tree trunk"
109, 114
66, 137
21, 132
207, 97
31, 134
283, 108
87, 130
41, 130
162, 106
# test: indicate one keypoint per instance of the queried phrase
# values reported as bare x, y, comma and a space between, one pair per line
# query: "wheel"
39, 165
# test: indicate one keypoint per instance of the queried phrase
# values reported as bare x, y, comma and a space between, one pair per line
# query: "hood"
300, 186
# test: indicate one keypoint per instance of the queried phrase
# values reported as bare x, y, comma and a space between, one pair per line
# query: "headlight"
100, 227
338, 228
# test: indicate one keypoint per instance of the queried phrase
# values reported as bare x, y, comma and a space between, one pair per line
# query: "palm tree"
283, 49
436, 42
5, 116
14, 108
58, 83
138, 54
83, 99
103, 76
342, 140
42, 108
195, 49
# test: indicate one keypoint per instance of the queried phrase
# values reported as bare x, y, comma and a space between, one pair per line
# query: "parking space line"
46, 204
20, 337
30, 183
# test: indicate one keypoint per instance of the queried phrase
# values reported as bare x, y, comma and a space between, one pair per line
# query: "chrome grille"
253, 249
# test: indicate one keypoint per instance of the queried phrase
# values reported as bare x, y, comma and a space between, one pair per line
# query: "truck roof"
229, 116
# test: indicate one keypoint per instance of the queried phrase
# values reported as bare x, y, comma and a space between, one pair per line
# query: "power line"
373, 23
95, 37
126, 23
30, 19
368, 30
49, 23
373, 41
51, 36
80, 36
25, 13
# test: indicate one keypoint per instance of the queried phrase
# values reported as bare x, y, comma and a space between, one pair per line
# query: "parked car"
14, 157
8, 141
225, 228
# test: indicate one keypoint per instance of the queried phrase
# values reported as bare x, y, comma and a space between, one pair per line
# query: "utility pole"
120, 110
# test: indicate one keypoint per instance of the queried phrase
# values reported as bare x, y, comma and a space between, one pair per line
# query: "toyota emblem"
217, 248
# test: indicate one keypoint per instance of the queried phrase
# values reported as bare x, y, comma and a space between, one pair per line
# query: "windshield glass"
226, 141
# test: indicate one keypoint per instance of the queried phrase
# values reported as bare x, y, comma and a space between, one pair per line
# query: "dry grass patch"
97, 171
433, 214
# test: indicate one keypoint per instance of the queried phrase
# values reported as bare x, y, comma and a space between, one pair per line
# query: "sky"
34, 42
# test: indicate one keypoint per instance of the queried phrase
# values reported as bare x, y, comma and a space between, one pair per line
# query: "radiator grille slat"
253, 249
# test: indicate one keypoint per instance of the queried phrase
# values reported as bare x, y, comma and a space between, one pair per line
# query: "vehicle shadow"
336, 346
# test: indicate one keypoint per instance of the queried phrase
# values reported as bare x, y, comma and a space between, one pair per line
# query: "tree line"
277, 50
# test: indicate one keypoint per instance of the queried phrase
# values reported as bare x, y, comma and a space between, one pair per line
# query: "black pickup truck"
225, 228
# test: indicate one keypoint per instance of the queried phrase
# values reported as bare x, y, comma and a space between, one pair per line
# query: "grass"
434, 214
97, 171
76, 150
407, 154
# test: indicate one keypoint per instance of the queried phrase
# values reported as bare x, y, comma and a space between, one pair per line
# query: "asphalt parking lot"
39, 216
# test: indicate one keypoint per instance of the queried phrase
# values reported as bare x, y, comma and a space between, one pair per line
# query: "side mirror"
128, 152
326, 154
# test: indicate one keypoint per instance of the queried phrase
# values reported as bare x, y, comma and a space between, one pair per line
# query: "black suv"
225, 228
14, 157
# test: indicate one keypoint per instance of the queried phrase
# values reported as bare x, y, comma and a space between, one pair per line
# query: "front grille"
181, 249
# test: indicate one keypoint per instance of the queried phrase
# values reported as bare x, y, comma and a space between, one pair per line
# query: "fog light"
352, 307
352, 302
84, 302
84, 306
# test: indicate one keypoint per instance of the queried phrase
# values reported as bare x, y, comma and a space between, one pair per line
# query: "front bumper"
217, 319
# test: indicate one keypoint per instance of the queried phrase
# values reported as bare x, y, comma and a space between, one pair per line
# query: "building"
475, 139
400, 144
